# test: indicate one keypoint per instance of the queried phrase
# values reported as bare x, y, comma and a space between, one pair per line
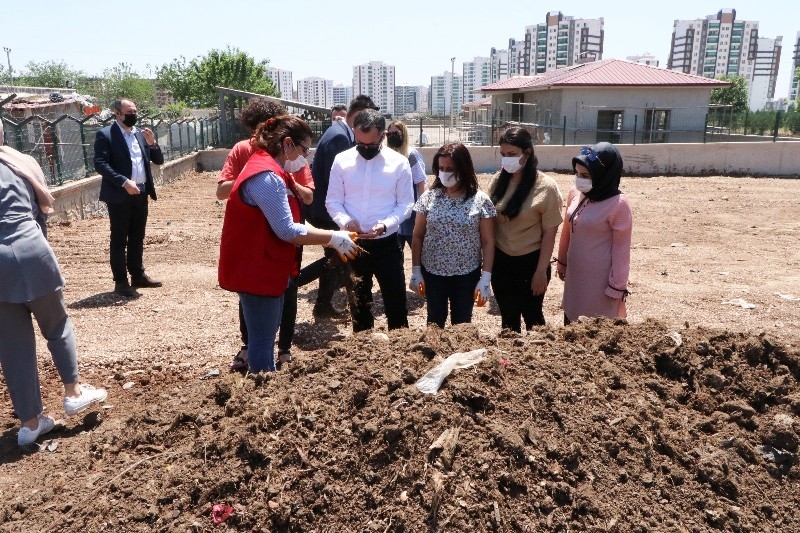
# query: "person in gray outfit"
31, 285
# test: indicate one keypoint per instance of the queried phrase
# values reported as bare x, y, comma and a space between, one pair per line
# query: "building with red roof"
609, 100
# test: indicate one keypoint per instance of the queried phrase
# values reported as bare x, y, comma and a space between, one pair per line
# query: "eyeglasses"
306, 149
591, 155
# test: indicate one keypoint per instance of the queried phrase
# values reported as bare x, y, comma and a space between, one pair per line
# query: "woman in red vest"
257, 256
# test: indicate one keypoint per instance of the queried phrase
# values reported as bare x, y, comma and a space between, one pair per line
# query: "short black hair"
367, 119
338, 107
360, 103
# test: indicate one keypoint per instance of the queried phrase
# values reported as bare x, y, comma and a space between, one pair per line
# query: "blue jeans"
262, 315
457, 290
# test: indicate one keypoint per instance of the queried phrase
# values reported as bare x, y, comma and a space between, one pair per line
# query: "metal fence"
647, 129
64, 146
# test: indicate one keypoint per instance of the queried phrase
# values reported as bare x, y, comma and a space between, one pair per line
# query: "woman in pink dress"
594, 253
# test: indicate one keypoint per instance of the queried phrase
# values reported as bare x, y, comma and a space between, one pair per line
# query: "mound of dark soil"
599, 426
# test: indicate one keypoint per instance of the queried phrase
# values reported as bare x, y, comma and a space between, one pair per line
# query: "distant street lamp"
452, 90
7, 50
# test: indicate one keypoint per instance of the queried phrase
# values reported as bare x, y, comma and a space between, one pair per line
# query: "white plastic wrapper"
430, 382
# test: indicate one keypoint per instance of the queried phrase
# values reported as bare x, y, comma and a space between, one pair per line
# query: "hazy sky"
327, 38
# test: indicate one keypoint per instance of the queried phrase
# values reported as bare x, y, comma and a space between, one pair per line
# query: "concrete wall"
78, 199
740, 158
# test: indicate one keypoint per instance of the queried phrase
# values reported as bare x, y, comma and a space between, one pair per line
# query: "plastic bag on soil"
432, 380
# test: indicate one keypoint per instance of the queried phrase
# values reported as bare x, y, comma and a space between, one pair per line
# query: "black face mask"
129, 120
368, 151
394, 140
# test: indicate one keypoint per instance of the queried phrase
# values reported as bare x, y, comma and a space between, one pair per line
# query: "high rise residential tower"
765, 72
376, 80
561, 41
282, 80
317, 91
795, 77
722, 45
342, 95
445, 95
476, 74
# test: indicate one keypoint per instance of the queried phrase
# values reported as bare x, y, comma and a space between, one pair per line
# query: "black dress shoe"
123, 289
145, 281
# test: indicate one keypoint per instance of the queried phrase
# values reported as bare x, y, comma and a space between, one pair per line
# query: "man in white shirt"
370, 193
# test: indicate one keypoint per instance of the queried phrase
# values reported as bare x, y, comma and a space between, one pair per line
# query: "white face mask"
583, 184
448, 179
511, 164
295, 165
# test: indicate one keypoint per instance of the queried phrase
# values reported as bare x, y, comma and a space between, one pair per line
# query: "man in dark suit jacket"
336, 139
122, 156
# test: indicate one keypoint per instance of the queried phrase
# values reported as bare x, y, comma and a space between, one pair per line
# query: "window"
609, 126
656, 125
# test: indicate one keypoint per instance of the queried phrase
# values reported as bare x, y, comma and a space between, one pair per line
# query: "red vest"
252, 259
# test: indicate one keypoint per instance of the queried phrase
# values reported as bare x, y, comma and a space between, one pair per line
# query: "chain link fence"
64, 146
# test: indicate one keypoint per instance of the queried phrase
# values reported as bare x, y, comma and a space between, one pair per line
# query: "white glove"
483, 290
342, 242
417, 283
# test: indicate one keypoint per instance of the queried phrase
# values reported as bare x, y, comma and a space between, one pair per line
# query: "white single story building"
609, 100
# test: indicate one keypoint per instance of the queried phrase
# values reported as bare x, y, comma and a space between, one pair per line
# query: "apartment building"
445, 95
794, 78
561, 41
282, 80
317, 91
475, 74
376, 80
765, 72
342, 95
516, 51
722, 45
499, 61
408, 99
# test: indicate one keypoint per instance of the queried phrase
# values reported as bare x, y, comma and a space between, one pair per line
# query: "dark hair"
271, 133
462, 162
360, 103
258, 110
117, 104
367, 119
521, 138
338, 107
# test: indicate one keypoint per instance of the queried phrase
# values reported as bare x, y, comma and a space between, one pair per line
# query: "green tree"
735, 95
791, 121
52, 74
194, 83
123, 82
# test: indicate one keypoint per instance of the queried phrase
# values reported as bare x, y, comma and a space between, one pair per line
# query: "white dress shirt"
137, 161
371, 192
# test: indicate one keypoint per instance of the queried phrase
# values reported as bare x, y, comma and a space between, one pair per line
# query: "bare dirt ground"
686, 418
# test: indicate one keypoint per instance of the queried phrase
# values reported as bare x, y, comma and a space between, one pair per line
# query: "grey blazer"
28, 266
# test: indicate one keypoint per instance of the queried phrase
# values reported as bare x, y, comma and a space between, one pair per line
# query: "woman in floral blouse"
452, 250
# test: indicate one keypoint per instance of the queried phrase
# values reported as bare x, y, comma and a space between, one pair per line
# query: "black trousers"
457, 291
511, 284
128, 220
384, 260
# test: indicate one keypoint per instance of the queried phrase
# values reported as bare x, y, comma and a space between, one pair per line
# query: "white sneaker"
89, 396
28, 436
